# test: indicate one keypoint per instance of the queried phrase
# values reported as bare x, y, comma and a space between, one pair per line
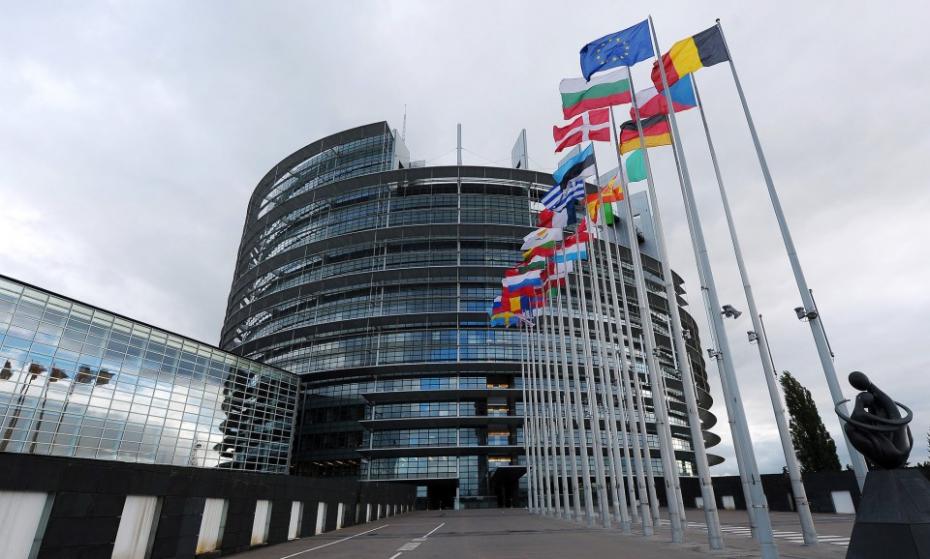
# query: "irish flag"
604, 90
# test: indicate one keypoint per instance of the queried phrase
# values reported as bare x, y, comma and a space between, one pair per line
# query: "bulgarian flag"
535, 263
655, 131
590, 126
688, 55
604, 90
544, 250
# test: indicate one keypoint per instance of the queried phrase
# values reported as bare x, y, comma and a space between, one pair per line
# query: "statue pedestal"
893, 520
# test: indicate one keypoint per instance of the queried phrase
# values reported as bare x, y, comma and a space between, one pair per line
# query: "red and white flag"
588, 127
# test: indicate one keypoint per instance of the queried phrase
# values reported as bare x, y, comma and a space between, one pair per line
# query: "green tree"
812, 442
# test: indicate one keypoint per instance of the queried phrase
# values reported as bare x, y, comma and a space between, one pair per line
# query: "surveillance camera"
800, 312
752, 336
730, 312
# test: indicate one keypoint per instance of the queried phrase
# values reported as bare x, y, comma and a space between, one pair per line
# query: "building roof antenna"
403, 130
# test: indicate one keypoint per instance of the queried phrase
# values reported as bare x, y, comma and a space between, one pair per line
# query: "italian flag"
604, 90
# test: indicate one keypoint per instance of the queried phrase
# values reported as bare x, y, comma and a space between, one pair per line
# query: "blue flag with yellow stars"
623, 48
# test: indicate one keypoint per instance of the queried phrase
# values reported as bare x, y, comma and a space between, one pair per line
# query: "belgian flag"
687, 55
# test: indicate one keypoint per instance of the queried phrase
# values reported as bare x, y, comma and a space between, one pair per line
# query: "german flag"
655, 131
687, 55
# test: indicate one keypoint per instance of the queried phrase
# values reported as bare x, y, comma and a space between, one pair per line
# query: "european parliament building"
370, 277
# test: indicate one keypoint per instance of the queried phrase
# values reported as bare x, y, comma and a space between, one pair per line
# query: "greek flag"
575, 191
553, 197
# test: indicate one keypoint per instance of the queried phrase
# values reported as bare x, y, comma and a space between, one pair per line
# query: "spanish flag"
655, 131
687, 55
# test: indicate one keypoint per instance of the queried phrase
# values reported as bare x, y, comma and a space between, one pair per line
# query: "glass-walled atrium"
82, 382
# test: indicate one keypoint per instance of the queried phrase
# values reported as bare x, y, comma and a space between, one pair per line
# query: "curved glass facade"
374, 286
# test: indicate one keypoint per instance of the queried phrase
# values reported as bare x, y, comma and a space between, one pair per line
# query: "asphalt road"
515, 534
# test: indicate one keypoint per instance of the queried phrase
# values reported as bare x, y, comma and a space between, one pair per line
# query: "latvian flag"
590, 126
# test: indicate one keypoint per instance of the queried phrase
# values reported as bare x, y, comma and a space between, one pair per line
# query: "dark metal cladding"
372, 277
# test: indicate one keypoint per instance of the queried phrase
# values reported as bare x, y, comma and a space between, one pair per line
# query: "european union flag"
623, 48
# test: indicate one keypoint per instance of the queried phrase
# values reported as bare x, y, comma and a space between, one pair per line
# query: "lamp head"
730, 311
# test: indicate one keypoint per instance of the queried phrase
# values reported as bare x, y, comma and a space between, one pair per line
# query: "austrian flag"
589, 126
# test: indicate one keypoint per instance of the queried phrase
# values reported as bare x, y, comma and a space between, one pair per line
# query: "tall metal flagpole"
566, 387
531, 411
794, 471
627, 391
658, 395
711, 517
763, 522
530, 497
616, 478
650, 475
541, 436
579, 405
595, 422
551, 440
552, 387
661, 388
618, 347
531, 402
813, 316
621, 509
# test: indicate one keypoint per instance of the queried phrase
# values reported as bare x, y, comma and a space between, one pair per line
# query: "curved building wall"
373, 282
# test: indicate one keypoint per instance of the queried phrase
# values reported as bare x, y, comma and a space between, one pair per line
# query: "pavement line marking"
395, 556
430, 533
334, 542
409, 546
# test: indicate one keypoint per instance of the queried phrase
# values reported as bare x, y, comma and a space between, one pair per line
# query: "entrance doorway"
440, 494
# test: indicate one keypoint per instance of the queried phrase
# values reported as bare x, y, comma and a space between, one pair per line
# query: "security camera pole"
794, 472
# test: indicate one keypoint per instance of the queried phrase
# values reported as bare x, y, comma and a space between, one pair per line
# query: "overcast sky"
132, 134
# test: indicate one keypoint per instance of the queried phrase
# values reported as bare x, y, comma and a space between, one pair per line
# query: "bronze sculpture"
875, 427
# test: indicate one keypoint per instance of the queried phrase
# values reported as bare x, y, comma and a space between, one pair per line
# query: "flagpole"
666, 266
550, 441
540, 503
531, 420
765, 536
552, 387
541, 435
573, 444
794, 471
579, 404
711, 516
625, 371
658, 395
813, 316
616, 478
595, 421
620, 357
627, 501
650, 475
616, 466
530, 498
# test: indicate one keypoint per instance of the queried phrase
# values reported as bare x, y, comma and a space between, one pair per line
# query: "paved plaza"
515, 534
